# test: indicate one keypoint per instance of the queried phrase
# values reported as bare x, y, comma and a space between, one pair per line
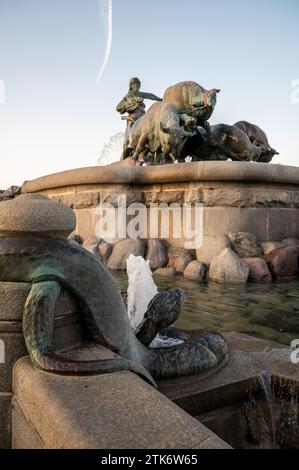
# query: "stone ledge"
184, 172
13, 296
248, 358
104, 412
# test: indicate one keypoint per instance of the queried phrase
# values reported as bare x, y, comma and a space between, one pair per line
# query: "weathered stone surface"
247, 359
121, 252
99, 248
193, 196
24, 435
156, 254
79, 200
196, 270
179, 258
258, 270
91, 245
13, 297
68, 328
166, 272
12, 300
211, 247
223, 197
270, 193
228, 268
12, 192
75, 238
113, 198
104, 251
214, 442
103, 412
268, 198
283, 262
14, 347
267, 247
68, 331
5, 420
245, 244
32, 213
166, 197
290, 242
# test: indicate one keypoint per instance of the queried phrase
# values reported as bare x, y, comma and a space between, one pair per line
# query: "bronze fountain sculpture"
178, 128
34, 249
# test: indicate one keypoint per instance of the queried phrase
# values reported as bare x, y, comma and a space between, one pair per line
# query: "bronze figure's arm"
148, 96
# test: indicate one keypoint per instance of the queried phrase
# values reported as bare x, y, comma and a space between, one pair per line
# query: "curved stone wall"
253, 197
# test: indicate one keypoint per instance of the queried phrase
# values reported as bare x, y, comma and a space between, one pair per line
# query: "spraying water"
266, 384
141, 290
112, 150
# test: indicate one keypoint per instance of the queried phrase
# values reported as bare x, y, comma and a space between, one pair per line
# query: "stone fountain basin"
233, 402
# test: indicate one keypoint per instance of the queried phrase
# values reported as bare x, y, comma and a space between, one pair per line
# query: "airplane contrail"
106, 12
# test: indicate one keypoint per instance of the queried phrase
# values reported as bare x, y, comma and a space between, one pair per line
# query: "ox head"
211, 97
177, 135
176, 131
208, 99
268, 154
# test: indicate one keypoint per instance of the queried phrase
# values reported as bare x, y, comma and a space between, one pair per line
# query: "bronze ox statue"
258, 138
192, 99
159, 132
178, 128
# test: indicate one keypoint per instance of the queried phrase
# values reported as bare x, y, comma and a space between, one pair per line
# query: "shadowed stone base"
68, 332
232, 401
25, 436
101, 412
67, 326
5, 420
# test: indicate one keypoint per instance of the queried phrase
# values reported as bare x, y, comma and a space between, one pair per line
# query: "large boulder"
104, 251
196, 270
166, 272
290, 242
75, 237
99, 248
258, 270
211, 247
121, 252
245, 244
91, 245
179, 258
269, 246
228, 268
283, 262
156, 254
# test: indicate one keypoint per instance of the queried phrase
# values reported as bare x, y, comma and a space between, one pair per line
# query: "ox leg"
140, 146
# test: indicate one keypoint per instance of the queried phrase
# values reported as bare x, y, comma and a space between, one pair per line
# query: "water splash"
141, 282
106, 13
112, 151
266, 384
141, 288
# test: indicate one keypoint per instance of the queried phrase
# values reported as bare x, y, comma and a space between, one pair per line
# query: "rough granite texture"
35, 214
237, 196
104, 412
228, 268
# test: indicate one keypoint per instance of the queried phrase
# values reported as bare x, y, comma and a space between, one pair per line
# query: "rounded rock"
196, 270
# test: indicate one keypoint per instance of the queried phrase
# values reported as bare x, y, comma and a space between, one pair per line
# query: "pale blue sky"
55, 116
